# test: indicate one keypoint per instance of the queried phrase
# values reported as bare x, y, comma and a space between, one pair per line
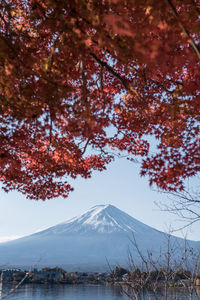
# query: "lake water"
65, 292
79, 292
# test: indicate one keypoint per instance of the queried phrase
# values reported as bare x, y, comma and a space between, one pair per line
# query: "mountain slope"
101, 219
102, 233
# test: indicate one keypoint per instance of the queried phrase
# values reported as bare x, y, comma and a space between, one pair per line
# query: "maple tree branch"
9, 45
84, 80
50, 136
101, 85
176, 82
194, 46
161, 85
101, 78
110, 70
195, 6
85, 147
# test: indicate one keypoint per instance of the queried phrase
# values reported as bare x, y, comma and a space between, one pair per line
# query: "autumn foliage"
84, 80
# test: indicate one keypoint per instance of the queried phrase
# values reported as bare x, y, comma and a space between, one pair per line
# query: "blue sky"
119, 185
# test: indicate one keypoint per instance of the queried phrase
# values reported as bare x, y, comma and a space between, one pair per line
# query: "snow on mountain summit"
102, 219
86, 242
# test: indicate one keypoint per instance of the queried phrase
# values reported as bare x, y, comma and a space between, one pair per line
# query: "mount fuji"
103, 233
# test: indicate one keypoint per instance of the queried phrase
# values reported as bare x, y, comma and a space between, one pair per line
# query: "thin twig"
185, 31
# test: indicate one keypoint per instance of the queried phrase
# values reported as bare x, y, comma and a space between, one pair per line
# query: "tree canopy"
82, 80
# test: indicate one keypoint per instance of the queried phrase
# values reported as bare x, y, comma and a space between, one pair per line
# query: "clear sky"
120, 185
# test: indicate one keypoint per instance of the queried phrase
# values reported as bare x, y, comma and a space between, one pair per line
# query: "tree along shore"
121, 276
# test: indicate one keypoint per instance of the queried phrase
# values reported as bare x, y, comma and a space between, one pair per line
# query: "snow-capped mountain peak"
85, 241
102, 219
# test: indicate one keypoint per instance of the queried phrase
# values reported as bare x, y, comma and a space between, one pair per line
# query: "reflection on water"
88, 292
66, 292
171, 293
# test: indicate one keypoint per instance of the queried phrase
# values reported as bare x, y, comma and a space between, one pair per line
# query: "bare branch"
185, 204
16, 286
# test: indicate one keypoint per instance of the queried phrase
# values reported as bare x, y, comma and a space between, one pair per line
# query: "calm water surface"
81, 292
65, 292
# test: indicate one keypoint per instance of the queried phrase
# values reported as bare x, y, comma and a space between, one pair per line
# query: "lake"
65, 292
78, 292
